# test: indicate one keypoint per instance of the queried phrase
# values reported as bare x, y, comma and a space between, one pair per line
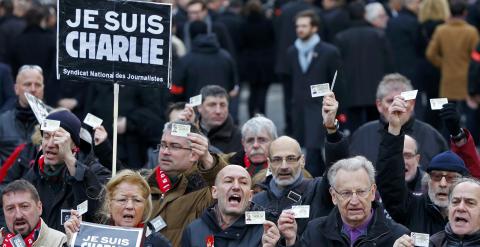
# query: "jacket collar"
332, 226
235, 231
222, 131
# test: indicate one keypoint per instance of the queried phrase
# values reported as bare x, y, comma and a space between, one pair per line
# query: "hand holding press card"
301, 211
420, 239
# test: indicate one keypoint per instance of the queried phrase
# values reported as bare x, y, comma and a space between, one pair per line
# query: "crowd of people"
360, 166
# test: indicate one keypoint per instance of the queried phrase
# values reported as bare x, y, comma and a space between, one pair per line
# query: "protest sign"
95, 235
126, 42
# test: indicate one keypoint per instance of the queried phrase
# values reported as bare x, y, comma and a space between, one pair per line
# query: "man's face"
464, 209
30, 81
214, 111
22, 213
355, 208
439, 186
381, 20
304, 28
256, 145
411, 158
233, 190
175, 154
286, 162
196, 12
384, 104
51, 150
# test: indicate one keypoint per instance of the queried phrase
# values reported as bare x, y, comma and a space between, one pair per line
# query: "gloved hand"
451, 118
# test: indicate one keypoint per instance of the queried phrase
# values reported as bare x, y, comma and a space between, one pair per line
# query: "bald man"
224, 223
413, 171
17, 125
287, 186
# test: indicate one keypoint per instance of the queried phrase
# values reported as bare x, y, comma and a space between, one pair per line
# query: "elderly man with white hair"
357, 219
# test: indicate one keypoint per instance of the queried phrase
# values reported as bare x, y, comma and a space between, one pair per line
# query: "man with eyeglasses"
287, 186
356, 220
426, 213
17, 125
180, 194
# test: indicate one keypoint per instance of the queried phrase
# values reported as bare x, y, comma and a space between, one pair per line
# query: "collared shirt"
355, 233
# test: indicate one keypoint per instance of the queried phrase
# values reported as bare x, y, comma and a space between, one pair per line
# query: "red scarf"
28, 239
163, 181
252, 170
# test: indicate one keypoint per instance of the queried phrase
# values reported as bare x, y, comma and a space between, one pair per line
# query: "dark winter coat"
7, 94
402, 32
336, 20
417, 213
447, 238
205, 64
366, 58
66, 192
327, 231
309, 131
17, 126
226, 137
238, 234
257, 52
366, 140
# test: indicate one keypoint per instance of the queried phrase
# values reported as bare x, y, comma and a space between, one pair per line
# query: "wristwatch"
335, 126
458, 137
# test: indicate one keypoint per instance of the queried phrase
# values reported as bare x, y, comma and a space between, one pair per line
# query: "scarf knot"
305, 51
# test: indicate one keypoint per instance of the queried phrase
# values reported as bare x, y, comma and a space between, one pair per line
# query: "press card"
320, 90
180, 130
92, 120
254, 217
409, 95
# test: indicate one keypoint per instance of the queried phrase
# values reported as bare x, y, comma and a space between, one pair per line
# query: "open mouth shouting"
234, 200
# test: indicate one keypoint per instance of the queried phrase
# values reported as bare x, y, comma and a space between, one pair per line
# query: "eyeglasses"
408, 156
277, 160
172, 147
348, 194
437, 177
124, 200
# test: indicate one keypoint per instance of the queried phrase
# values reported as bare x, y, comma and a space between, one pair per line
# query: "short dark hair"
201, 2
197, 27
174, 107
458, 7
213, 90
310, 13
21, 185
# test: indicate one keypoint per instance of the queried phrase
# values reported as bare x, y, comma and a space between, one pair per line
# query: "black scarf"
25, 115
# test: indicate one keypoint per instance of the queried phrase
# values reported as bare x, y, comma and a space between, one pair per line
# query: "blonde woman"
127, 203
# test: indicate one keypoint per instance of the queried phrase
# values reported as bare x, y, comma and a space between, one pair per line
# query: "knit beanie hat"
448, 161
69, 122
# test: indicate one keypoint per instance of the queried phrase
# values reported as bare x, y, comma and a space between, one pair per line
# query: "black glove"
451, 118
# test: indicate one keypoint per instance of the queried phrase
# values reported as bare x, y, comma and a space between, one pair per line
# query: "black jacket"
17, 126
156, 240
314, 192
447, 238
205, 64
238, 234
327, 231
366, 58
226, 137
366, 140
66, 192
402, 31
309, 131
418, 213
